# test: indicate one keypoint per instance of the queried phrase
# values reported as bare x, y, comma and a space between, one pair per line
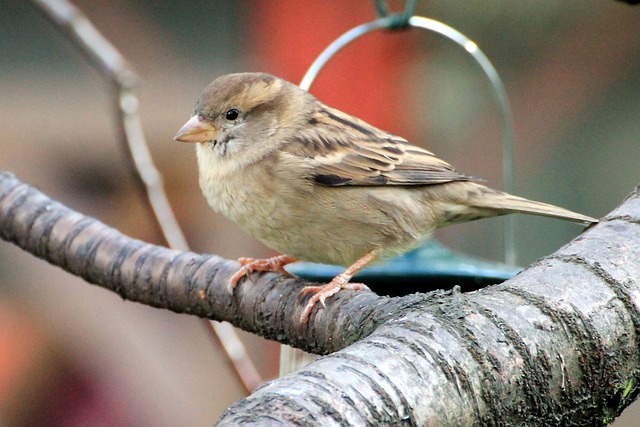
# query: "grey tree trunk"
556, 345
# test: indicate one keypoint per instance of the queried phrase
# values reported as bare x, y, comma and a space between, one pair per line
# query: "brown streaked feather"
344, 150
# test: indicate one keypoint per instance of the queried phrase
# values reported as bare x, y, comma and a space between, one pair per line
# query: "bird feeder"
432, 266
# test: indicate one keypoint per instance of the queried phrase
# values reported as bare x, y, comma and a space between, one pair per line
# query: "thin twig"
112, 65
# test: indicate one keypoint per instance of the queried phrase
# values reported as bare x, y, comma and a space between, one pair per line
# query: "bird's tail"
498, 203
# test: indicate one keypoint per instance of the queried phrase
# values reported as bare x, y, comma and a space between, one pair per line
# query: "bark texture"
184, 282
556, 345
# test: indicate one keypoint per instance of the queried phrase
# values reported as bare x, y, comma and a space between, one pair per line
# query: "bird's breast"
333, 225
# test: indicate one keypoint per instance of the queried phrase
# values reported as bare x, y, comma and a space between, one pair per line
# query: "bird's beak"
196, 130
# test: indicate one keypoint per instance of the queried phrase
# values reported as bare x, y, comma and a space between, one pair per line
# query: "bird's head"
243, 113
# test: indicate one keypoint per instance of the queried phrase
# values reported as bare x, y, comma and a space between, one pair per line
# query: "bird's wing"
344, 150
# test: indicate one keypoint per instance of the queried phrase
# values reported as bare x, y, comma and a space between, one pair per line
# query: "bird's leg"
341, 281
249, 265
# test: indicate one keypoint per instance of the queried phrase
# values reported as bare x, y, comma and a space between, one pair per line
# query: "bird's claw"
249, 265
321, 293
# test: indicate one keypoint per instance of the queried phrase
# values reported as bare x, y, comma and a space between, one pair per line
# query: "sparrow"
317, 184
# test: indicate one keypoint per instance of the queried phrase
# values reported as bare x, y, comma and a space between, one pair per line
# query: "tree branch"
558, 344
183, 282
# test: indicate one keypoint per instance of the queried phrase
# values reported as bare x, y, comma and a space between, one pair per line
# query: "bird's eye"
232, 114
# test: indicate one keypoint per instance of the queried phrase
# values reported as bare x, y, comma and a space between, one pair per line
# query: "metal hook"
398, 20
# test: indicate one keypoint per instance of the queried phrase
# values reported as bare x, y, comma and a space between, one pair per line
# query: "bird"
317, 184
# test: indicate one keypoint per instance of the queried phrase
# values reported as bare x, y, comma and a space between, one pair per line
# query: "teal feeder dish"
430, 267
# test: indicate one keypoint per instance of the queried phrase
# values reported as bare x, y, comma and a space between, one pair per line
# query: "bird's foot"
321, 293
249, 265
341, 281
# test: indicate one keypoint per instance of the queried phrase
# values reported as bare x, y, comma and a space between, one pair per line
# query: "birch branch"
556, 345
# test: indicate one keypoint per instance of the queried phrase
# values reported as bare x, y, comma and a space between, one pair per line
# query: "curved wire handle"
499, 93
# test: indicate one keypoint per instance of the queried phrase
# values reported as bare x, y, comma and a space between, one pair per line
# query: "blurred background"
75, 355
